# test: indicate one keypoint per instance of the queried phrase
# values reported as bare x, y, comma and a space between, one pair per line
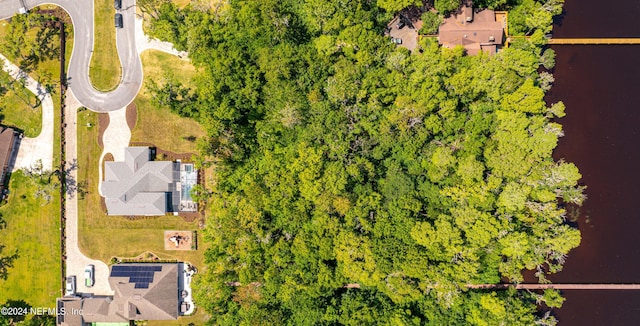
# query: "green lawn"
161, 126
17, 110
33, 229
198, 318
104, 69
102, 236
47, 72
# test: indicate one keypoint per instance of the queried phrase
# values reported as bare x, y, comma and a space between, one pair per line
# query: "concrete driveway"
81, 13
76, 260
41, 147
82, 93
115, 138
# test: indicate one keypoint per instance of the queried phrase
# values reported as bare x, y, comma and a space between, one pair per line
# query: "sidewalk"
41, 147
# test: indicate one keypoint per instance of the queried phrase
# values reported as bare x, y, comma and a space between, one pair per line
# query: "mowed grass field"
32, 228
160, 126
104, 69
102, 236
20, 108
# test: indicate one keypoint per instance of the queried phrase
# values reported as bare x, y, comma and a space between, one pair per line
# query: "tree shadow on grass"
6, 262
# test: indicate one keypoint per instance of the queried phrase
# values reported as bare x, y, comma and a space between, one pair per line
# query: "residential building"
140, 186
475, 30
142, 292
8, 138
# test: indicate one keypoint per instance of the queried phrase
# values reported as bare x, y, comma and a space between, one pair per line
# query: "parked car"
396, 40
117, 4
70, 288
118, 20
401, 24
88, 275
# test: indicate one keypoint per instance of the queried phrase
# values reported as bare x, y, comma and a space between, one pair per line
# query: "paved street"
81, 93
81, 13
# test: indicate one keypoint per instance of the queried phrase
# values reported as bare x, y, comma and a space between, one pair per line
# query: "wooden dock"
559, 286
584, 41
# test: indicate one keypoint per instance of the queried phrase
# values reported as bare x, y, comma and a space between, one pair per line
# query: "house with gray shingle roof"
141, 292
140, 186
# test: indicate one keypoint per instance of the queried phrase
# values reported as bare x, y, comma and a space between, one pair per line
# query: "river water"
599, 85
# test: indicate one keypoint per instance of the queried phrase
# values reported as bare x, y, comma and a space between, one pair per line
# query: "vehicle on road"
118, 20
88, 275
117, 4
70, 286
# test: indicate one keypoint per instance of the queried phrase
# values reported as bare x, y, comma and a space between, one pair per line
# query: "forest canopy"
360, 183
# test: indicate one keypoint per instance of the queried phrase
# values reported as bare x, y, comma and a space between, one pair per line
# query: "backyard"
159, 125
20, 108
32, 228
102, 236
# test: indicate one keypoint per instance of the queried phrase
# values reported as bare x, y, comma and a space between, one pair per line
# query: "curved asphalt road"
81, 13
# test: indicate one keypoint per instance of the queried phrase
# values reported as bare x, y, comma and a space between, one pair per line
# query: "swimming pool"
188, 178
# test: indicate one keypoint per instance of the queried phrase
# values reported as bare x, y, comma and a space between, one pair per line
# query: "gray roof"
101, 309
71, 316
157, 302
139, 186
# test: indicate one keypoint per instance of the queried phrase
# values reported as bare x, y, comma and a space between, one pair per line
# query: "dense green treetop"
358, 183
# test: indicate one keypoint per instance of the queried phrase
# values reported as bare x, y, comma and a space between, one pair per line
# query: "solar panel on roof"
141, 276
141, 286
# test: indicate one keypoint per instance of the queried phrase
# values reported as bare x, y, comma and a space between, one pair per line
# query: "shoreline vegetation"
343, 159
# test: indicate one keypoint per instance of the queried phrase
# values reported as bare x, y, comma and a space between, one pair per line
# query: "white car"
88, 275
70, 286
